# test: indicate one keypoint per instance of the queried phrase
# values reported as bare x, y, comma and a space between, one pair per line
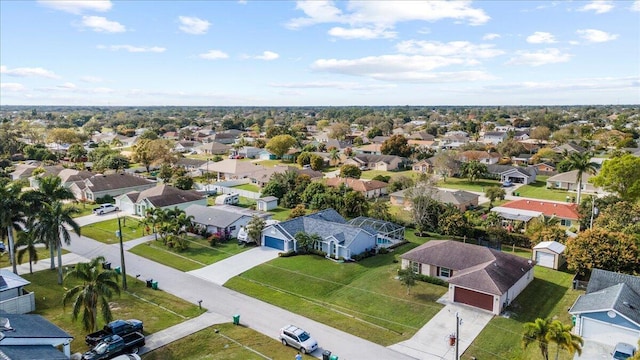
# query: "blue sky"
281, 53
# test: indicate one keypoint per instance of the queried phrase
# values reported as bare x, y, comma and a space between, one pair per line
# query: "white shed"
549, 254
267, 203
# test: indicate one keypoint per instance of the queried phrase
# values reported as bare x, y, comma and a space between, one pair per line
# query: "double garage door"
606, 333
473, 298
274, 242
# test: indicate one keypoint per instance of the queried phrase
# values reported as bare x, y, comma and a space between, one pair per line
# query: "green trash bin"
154, 285
117, 270
333, 357
236, 319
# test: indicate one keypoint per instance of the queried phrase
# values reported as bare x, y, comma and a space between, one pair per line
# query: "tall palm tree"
581, 162
560, 334
97, 288
537, 331
334, 156
11, 215
51, 228
26, 243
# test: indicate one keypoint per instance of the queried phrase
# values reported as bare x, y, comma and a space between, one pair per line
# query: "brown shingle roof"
357, 184
165, 195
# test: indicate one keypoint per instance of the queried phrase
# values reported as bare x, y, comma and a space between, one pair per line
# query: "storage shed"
549, 254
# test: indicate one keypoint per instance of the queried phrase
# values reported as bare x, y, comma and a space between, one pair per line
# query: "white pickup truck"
105, 208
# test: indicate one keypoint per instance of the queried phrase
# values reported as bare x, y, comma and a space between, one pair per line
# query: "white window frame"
444, 272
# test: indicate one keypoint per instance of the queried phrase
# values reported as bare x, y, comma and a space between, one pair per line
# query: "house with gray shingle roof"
461, 199
609, 311
223, 220
478, 276
160, 196
340, 240
13, 298
113, 185
30, 336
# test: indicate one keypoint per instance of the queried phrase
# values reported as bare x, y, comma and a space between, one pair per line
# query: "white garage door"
607, 334
544, 259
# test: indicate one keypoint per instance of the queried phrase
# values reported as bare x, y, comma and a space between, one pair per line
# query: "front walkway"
432, 341
221, 271
179, 331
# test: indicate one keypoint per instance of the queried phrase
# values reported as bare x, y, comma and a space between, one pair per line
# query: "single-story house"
160, 196
525, 210
213, 148
484, 157
248, 152
494, 137
222, 220
377, 162
478, 276
30, 336
340, 240
186, 146
230, 169
267, 203
190, 164
67, 177
369, 149
609, 311
569, 147
101, 185
545, 168
463, 200
423, 166
14, 299
22, 171
522, 159
549, 254
517, 174
567, 181
368, 188
266, 155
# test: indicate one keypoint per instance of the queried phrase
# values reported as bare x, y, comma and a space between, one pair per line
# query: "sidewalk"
221, 271
45, 264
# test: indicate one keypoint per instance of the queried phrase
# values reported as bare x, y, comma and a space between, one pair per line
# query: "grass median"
105, 231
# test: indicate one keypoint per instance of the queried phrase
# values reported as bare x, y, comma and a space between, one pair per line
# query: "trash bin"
326, 355
236, 319
149, 283
333, 357
106, 265
117, 270
154, 285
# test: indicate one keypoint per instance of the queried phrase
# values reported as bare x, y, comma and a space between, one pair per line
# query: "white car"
623, 351
298, 338
105, 208
127, 357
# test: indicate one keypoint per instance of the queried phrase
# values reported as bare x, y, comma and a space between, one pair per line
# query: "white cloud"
491, 36
317, 12
635, 6
78, 6
564, 85
538, 58
540, 37
67, 85
458, 49
133, 49
193, 25
361, 33
599, 6
268, 56
102, 24
214, 55
13, 87
333, 85
91, 79
593, 35
28, 72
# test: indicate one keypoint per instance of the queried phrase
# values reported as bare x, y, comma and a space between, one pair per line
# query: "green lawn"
465, 184
199, 253
83, 208
230, 342
549, 295
370, 174
43, 255
248, 187
105, 231
158, 310
361, 298
538, 190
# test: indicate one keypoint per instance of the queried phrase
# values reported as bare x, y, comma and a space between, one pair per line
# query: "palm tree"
537, 331
11, 215
581, 162
334, 156
51, 227
27, 242
560, 334
97, 287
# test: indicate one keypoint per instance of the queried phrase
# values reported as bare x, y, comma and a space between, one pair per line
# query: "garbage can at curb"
154, 285
236, 319
333, 357
117, 270
326, 355
149, 283
106, 265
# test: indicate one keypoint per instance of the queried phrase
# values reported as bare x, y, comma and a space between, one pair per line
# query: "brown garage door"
473, 298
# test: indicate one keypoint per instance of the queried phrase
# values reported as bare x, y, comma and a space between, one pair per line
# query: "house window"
231, 228
415, 267
565, 222
444, 272
558, 184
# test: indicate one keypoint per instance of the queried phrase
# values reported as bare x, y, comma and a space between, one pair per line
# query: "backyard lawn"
199, 253
230, 342
248, 187
370, 174
464, 184
105, 231
158, 310
538, 190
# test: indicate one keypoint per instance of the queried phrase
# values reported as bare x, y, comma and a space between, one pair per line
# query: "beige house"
161, 196
377, 162
568, 181
230, 169
461, 199
368, 188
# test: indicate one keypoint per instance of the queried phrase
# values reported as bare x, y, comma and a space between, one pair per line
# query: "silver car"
298, 338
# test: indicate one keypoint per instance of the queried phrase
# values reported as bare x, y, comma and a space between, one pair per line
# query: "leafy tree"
396, 145
115, 162
452, 222
148, 135
540, 133
621, 217
549, 233
63, 136
165, 173
311, 191
298, 211
76, 153
339, 131
585, 208
350, 171
152, 152
280, 144
355, 204
561, 335
97, 287
305, 241
400, 183
583, 164
380, 210
184, 182
511, 147
620, 175
373, 132
254, 229
537, 332
474, 170
493, 193
445, 164
407, 278
599, 248
274, 188
425, 210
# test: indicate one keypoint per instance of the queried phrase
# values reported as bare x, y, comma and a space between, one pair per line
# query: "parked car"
116, 327
507, 183
294, 336
127, 357
2, 247
623, 351
105, 208
115, 345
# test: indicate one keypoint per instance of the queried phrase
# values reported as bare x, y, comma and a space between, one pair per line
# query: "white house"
161, 196
224, 221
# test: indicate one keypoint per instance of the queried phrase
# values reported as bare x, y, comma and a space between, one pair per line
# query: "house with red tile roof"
525, 210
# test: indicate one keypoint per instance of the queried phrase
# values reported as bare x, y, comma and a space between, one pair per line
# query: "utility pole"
594, 211
124, 271
457, 335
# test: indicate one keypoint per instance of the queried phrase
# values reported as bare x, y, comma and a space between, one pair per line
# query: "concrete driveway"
93, 218
595, 351
432, 341
224, 270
